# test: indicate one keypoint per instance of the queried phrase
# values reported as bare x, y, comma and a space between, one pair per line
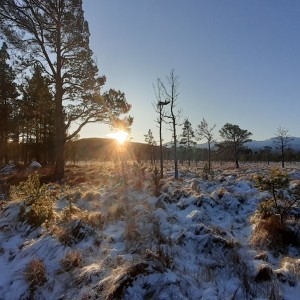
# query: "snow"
35, 165
192, 242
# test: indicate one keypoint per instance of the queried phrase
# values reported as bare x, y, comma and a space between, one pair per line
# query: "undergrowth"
37, 205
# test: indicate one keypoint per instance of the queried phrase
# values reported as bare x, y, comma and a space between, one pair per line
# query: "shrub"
139, 174
72, 212
63, 235
35, 273
156, 182
266, 208
72, 260
38, 202
116, 211
282, 198
95, 219
221, 192
272, 234
289, 270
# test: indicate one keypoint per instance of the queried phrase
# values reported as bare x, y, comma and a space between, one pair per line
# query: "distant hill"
256, 145
294, 144
103, 149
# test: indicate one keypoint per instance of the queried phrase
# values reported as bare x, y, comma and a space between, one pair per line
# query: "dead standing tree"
170, 94
159, 108
281, 141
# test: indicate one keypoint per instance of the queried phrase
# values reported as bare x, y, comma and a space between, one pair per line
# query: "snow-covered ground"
121, 242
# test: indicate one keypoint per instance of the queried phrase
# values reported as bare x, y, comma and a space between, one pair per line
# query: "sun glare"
120, 136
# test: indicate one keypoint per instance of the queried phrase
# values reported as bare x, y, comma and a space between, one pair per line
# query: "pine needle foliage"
282, 197
38, 202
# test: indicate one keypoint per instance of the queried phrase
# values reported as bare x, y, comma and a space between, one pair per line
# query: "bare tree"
159, 108
203, 131
281, 141
170, 94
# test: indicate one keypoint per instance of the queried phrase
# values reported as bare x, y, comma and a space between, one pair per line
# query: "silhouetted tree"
8, 94
37, 117
281, 141
170, 94
268, 151
187, 138
55, 35
234, 138
149, 139
203, 131
159, 108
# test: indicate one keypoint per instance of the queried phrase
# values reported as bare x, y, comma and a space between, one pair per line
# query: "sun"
120, 136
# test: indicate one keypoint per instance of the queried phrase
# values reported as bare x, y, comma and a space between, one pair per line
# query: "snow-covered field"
112, 239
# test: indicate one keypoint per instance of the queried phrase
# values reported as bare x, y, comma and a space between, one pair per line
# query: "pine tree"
187, 138
55, 35
149, 139
203, 131
8, 94
234, 138
37, 110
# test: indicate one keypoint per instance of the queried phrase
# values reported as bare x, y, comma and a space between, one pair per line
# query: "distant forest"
100, 149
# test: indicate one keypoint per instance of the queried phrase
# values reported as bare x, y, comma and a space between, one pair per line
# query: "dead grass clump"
162, 256
79, 231
80, 179
116, 211
265, 273
73, 232
72, 212
95, 219
63, 235
289, 270
132, 232
72, 260
114, 287
270, 233
35, 273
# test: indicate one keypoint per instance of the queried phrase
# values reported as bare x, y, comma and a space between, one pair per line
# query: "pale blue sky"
238, 61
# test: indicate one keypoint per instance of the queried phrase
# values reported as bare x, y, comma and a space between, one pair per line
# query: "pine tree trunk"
209, 164
175, 149
59, 118
161, 147
59, 137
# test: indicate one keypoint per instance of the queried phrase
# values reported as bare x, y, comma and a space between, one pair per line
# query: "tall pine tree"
8, 93
37, 111
187, 137
55, 35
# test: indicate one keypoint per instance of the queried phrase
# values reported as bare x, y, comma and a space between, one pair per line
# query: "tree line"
231, 147
50, 88
50, 85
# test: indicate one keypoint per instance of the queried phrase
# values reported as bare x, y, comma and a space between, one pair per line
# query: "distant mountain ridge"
294, 144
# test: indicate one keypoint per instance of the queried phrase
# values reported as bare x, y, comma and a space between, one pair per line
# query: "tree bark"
59, 118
